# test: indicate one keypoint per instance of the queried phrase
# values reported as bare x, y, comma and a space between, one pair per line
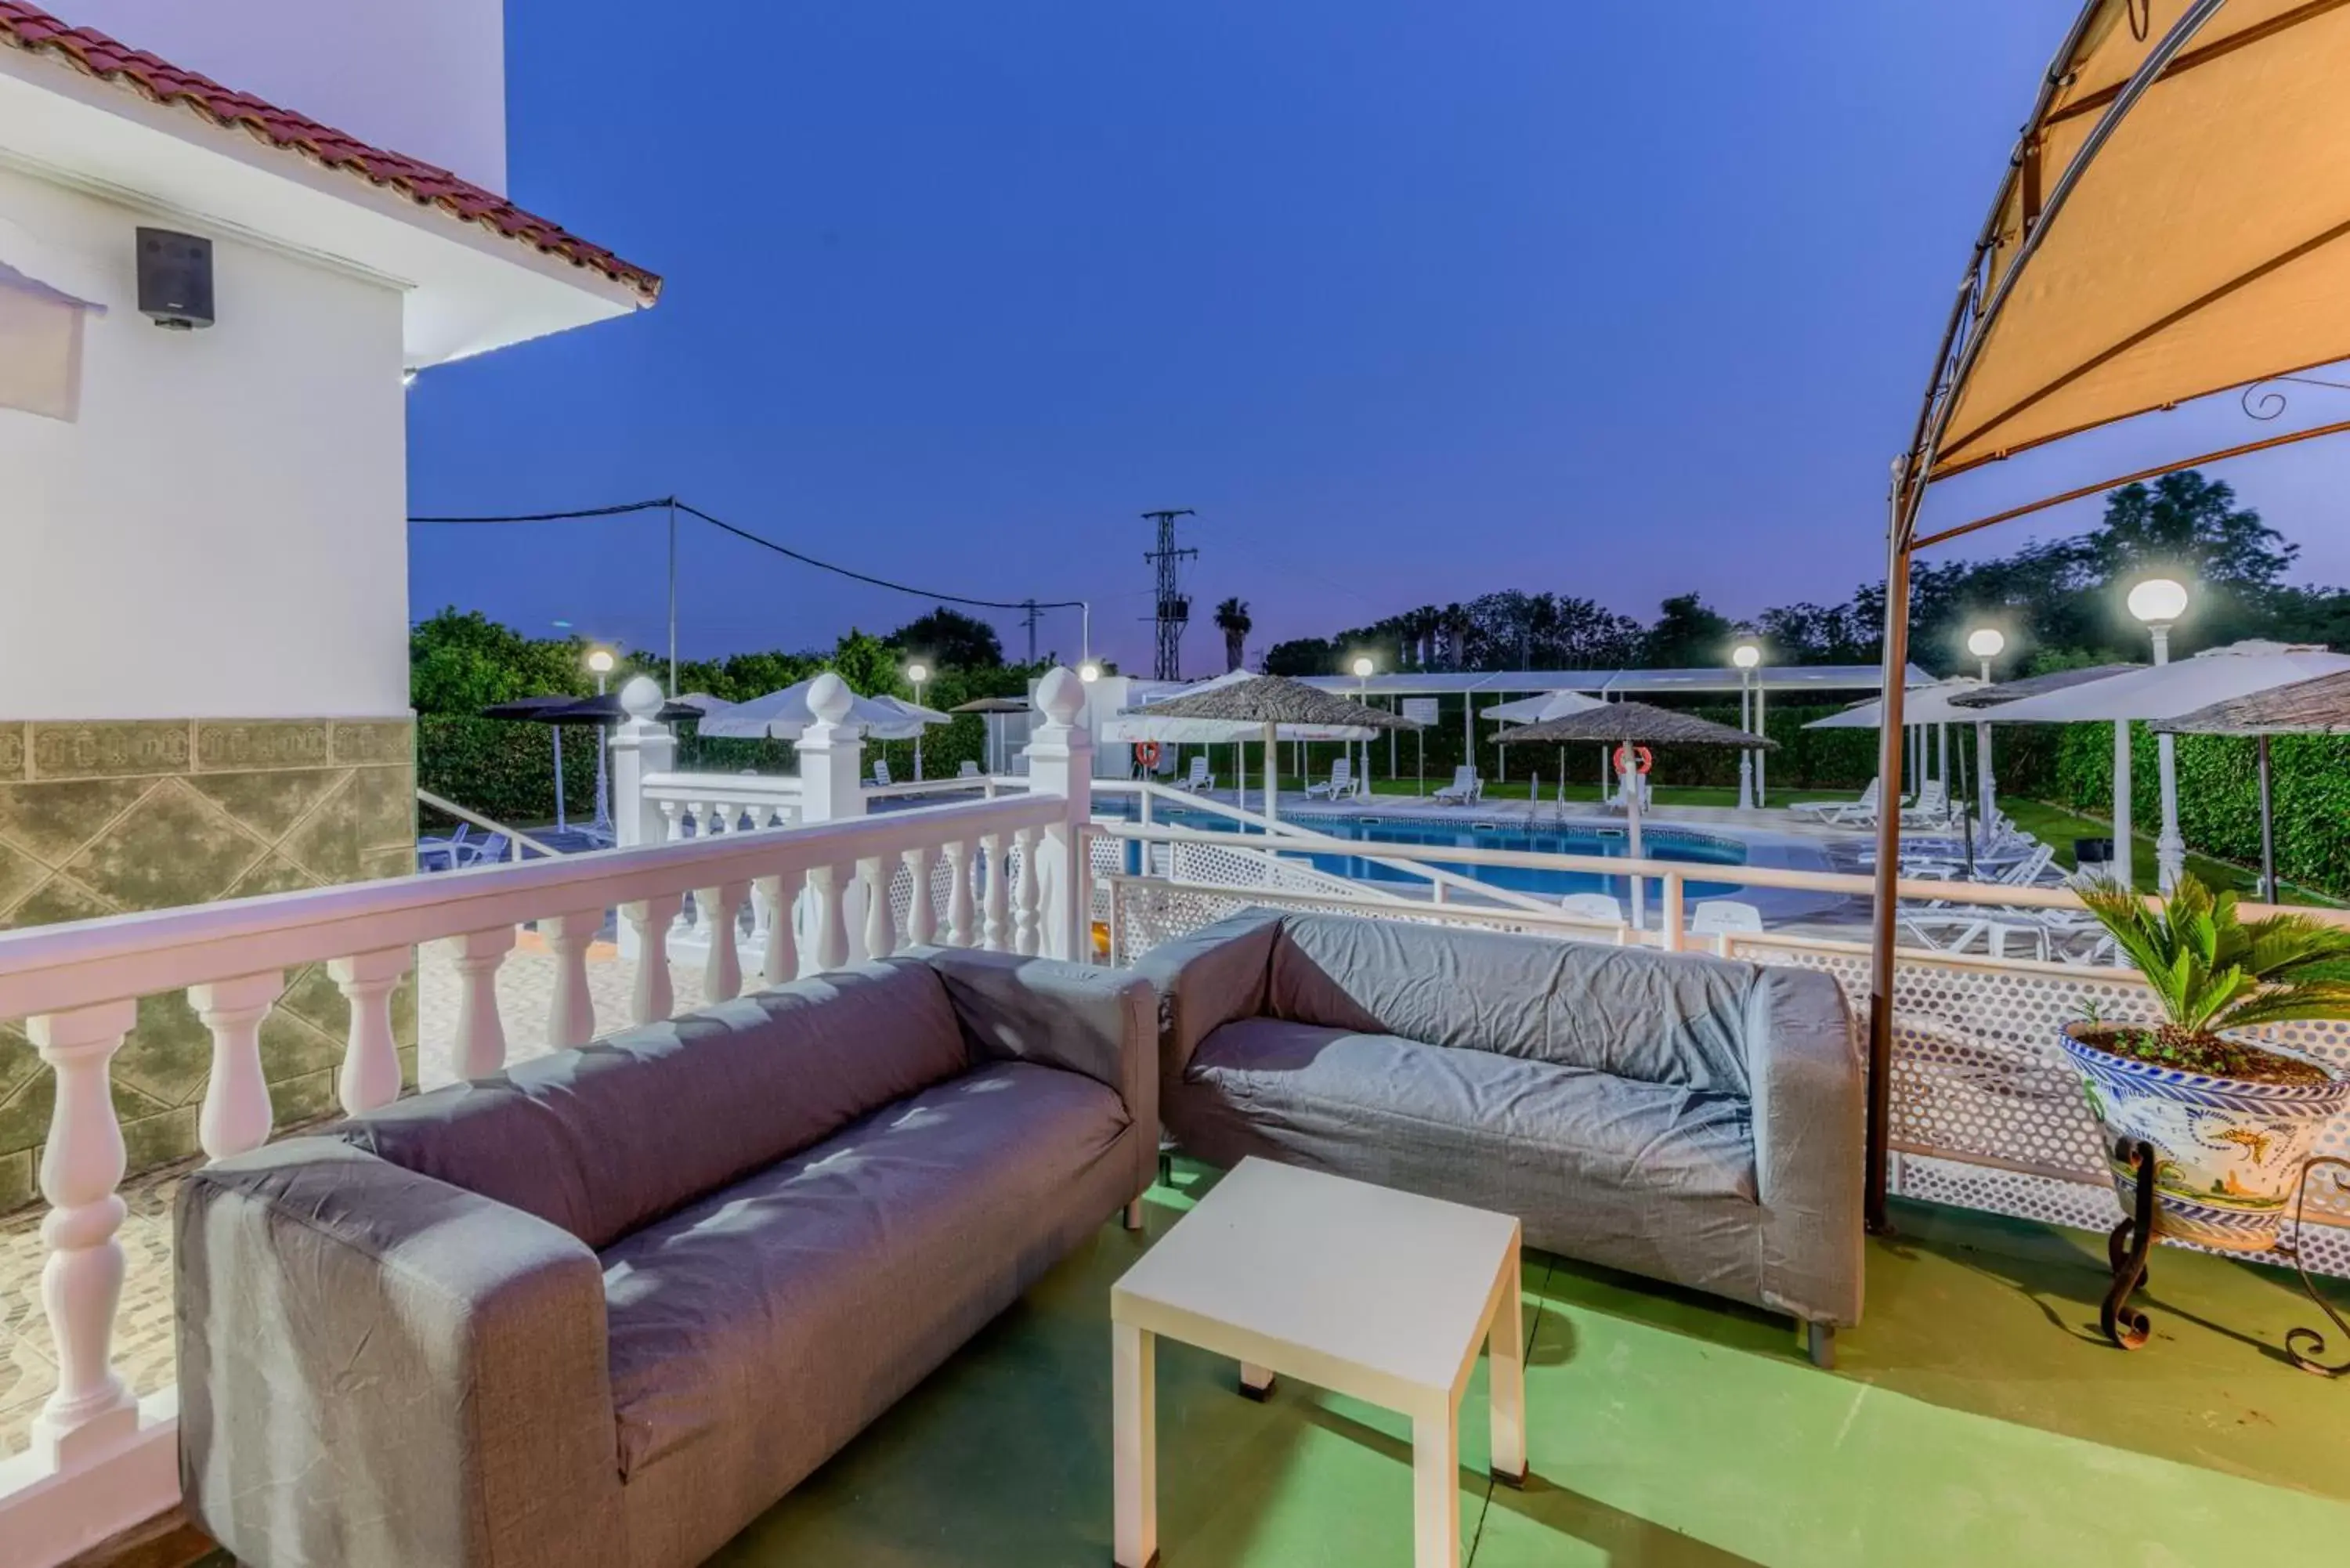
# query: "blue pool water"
1575, 838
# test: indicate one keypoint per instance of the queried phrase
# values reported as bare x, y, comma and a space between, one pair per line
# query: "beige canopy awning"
2204, 245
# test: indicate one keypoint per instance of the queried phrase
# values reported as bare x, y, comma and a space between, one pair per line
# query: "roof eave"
469, 289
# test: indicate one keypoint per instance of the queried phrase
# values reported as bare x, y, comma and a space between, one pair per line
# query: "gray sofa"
609, 1305
1687, 1118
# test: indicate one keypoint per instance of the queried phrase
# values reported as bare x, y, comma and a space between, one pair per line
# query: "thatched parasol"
1635, 724
2319, 706
2001, 693
1273, 701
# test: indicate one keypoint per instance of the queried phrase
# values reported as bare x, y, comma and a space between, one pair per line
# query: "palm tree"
1233, 620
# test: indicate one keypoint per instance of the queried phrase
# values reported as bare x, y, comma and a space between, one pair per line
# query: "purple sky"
1411, 302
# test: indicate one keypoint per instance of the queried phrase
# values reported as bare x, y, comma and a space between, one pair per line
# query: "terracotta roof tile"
23, 26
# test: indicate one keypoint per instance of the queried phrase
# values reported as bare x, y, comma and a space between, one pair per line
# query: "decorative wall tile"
363, 743
172, 849
268, 803
52, 821
272, 874
113, 749
19, 875
14, 750
17, 1184
237, 745
56, 900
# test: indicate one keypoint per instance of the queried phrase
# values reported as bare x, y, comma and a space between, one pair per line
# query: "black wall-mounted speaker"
176, 279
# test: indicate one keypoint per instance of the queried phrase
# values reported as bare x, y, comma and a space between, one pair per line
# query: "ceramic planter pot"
2226, 1151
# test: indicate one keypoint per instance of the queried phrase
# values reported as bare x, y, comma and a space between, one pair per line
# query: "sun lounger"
1339, 786
1199, 780
1466, 788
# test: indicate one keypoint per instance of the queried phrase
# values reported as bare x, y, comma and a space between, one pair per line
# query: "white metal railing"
998, 874
1274, 836
516, 839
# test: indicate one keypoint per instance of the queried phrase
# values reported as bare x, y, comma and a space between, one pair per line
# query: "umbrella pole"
1271, 776
1889, 748
1628, 786
2268, 831
558, 779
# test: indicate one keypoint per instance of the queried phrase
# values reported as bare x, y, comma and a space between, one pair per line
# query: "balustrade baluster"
722, 966
236, 1114
880, 927
672, 822
1026, 895
481, 1036
779, 958
81, 1166
831, 950
652, 999
371, 1072
922, 916
571, 1015
959, 910
997, 904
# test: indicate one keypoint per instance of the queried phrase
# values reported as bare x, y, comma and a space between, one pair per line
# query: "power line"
744, 534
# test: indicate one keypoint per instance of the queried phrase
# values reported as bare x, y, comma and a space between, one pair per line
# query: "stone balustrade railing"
1009, 874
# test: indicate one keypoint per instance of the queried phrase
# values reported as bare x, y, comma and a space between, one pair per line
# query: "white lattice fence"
1986, 1112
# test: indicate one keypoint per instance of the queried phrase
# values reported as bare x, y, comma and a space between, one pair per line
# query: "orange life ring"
1146, 753
1639, 754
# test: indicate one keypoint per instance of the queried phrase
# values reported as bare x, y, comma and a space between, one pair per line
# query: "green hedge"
2218, 795
504, 770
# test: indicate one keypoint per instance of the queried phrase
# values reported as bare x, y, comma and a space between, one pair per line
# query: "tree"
1687, 636
1233, 620
950, 641
2186, 523
462, 662
1303, 656
872, 666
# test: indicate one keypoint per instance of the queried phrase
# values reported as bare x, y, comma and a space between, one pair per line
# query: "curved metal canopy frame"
1984, 293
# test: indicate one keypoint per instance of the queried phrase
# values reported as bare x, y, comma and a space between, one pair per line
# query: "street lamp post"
1746, 656
1363, 668
1986, 643
2160, 602
601, 662
916, 674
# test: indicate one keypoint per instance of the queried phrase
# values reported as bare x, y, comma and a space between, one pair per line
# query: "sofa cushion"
1661, 1018
1473, 1111
607, 1137
754, 1333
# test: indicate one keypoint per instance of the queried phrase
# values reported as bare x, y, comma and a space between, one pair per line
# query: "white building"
204, 583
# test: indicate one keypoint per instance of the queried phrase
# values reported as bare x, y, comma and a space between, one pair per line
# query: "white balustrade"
960, 932
235, 1116
998, 902
481, 1043
827, 896
1024, 893
921, 918
370, 1072
880, 930
722, 967
81, 1166
652, 997
571, 1015
779, 959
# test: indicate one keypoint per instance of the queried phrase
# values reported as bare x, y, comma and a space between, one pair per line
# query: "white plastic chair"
1465, 789
1723, 918
1605, 908
970, 770
1838, 810
441, 854
881, 773
1340, 784
1200, 779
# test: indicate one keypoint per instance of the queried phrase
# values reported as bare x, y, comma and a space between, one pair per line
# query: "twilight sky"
1411, 302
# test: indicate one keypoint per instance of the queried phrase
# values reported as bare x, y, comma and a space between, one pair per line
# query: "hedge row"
2218, 795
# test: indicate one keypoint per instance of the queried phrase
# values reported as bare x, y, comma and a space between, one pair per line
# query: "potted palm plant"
2229, 1121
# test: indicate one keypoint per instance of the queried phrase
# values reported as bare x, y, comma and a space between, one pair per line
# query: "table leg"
1256, 1382
1436, 1489
1505, 1380
1134, 1419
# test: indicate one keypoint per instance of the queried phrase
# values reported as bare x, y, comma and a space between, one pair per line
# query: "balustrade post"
236, 1114
652, 998
831, 754
1674, 939
922, 914
480, 1036
779, 959
721, 964
997, 903
827, 948
82, 1164
1060, 764
1025, 901
880, 926
370, 1077
640, 746
958, 903
571, 1015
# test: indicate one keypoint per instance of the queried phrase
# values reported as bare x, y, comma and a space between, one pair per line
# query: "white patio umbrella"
2171, 690
1134, 726
1240, 704
1543, 707
782, 715
1921, 706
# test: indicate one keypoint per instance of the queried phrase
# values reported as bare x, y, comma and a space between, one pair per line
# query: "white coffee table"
1378, 1295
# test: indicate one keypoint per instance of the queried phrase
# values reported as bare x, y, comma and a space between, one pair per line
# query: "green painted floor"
1976, 1419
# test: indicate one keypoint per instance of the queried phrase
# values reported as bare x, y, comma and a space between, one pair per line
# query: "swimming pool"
1687, 845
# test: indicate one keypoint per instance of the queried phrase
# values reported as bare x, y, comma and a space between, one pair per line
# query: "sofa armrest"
1810, 1106
1216, 975
1076, 1017
379, 1368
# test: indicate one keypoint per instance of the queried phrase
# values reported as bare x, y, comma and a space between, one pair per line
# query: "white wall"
426, 77
222, 532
